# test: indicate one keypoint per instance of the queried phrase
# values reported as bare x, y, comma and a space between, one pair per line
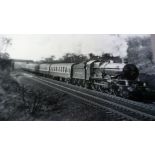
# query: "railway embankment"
23, 99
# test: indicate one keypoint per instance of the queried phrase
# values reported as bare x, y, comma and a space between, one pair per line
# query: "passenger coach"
62, 71
32, 67
44, 69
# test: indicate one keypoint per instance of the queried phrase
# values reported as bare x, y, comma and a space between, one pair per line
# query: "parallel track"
121, 108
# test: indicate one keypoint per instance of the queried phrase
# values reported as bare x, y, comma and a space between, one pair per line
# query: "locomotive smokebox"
130, 72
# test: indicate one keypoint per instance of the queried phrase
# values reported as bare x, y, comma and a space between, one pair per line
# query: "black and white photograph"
77, 77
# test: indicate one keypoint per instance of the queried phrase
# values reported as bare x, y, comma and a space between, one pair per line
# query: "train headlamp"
130, 89
144, 84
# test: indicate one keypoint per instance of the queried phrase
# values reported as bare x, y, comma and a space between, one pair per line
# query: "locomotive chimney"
153, 46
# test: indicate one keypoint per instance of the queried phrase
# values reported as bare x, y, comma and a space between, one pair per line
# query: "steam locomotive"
118, 79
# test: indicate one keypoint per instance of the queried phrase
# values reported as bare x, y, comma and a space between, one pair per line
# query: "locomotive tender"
113, 78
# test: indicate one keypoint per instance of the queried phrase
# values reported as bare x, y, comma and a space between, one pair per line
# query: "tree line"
78, 58
139, 51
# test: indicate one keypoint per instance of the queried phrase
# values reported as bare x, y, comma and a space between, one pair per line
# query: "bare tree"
73, 58
4, 43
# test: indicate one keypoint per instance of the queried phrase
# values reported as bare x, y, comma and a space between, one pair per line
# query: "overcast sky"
37, 47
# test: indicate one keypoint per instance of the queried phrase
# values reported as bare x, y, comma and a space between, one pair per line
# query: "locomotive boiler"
116, 70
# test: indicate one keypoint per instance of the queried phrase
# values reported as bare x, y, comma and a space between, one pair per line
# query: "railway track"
120, 108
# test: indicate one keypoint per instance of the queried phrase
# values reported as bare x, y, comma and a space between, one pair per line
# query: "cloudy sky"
36, 47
